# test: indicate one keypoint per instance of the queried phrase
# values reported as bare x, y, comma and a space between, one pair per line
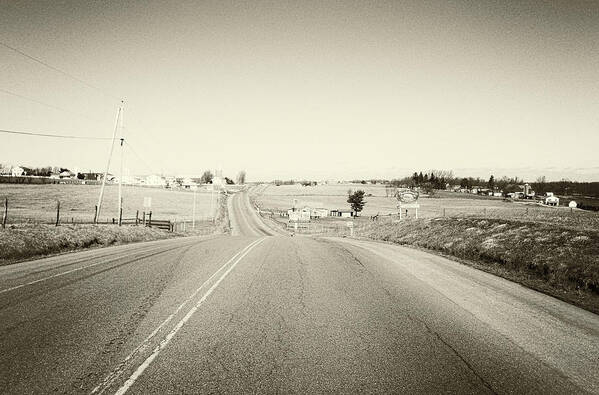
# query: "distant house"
155, 180
64, 175
91, 176
188, 183
319, 213
17, 171
299, 215
5, 170
551, 200
342, 213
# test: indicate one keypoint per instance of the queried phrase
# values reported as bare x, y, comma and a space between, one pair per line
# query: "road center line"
110, 379
107, 382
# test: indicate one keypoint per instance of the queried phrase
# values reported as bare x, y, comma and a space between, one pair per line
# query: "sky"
305, 89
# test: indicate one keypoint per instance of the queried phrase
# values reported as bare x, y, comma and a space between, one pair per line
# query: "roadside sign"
147, 202
409, 205
407, 196
572, 204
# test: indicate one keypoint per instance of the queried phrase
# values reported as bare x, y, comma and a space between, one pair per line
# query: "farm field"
448, 204
37, 203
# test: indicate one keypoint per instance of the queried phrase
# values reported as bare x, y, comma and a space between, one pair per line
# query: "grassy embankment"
24, 241
20, 242
560, 261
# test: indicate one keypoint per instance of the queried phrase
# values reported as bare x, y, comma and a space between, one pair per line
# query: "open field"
37, 203
32, 239
448, 204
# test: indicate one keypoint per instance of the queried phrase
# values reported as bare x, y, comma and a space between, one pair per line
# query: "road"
259, 312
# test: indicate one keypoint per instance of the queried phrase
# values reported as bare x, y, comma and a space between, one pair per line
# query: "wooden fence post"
96, 215
58, 212
136, 217
5, 213
121, 216
144, 218
150, 219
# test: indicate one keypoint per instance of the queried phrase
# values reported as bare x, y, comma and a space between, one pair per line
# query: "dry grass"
32, 240
19, 242
557, 260
37, 203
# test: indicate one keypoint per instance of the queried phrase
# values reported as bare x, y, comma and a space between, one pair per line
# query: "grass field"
26, 236
448, 204
37, 203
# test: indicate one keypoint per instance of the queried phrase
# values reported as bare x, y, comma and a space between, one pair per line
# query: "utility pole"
116, 126
212, 202
193, 220
121, 170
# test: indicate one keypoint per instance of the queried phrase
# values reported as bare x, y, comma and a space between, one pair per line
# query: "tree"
491, 182
415, 178
356, 201
207, 177
241, 177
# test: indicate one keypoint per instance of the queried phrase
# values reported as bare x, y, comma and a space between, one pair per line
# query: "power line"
49, 105
61, 136
37, 60
148, 167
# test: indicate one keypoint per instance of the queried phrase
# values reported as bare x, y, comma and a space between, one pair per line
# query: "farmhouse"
17, 171
67, 174
299, 214
188, 183
155, 180
319, 213
342, 213
551, 200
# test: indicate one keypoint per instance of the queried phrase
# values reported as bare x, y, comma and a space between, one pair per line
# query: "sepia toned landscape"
299, 197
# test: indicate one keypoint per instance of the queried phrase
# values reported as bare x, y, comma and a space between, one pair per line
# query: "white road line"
107, 382
139, 371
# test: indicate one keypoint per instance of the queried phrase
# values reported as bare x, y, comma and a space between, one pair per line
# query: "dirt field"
37, 203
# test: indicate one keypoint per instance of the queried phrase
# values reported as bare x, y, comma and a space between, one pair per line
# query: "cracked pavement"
286, 315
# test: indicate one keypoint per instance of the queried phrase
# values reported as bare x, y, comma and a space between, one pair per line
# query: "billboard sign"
407, 196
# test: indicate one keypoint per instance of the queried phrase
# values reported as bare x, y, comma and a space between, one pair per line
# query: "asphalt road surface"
259, 312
